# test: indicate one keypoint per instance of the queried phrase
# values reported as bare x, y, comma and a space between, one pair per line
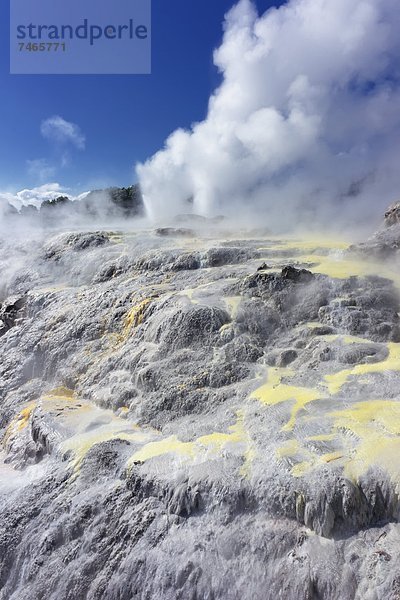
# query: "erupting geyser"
306, 119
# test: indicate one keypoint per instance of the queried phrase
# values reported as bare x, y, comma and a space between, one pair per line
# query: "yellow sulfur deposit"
307, 246
333, 262
376, 425
19, 423
89, 425
365, 435
170, 445
60, 393
135, 316
83, 441
275, 392
201, 448
215, 442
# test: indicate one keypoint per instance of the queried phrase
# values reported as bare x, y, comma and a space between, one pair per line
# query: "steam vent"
190, 413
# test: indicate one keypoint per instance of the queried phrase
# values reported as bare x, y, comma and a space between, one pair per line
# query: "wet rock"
242, 348
326, 355
294, 297
78, 242
321, 330
268, 283
105, 460
189, 261
218, 257
363, 353
346, 507
11, 310
222, 375
297, 275
258, 321
115, 268
174, 232
263, 267
385, 243
186, 327
373, 324
285, 358
167, 260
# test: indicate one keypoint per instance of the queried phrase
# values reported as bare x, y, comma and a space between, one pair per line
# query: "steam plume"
306, 120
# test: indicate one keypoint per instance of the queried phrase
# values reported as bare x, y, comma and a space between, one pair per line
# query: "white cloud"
308, 109
61, 131
34, 196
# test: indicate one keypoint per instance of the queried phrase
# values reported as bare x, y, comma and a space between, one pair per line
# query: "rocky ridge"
198, 416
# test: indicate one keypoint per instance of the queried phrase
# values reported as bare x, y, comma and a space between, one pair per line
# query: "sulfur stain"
339, 265
60, 393
89, 425
19, 423
135, 316
275, 392
336, 381
301, 469
365, 435
169, 445
331, 457
312, 325
375, 425
292, 451
203, 447
333, 337
217, 442
329, 257
290, 448
82, 442
305, 461
309, 245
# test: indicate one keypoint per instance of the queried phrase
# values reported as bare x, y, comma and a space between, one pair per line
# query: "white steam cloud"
306, 120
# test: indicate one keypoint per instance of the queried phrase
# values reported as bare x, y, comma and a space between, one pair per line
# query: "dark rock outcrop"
392, 215
125, 202
174, 232
10, 311
385, 243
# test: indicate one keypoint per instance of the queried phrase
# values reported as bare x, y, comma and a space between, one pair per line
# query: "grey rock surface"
177, 422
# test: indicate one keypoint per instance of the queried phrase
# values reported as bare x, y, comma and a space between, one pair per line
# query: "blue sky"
124, 119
